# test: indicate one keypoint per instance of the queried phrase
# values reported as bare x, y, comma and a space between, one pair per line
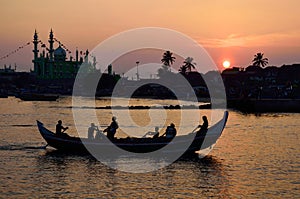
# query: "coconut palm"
188, 64
259, 60
168, 58
182, 70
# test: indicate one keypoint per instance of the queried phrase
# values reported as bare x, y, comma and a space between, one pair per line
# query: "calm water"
256, 157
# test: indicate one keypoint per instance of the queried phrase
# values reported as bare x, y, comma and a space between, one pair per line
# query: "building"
54, 64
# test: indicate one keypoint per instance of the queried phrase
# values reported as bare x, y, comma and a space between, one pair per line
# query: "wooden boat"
194, 141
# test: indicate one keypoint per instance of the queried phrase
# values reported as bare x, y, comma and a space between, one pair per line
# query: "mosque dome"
59, 53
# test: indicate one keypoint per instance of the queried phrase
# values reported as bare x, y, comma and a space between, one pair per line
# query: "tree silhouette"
188, 64
163, 71
168, 58
182, 70
259, 60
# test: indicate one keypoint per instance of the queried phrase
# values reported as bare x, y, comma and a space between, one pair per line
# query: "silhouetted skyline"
230, 30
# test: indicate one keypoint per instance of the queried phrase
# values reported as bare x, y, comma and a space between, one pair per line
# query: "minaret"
51, 41
86, 58
35, 50
76, 55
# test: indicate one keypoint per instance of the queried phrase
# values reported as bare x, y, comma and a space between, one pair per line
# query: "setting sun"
226, 64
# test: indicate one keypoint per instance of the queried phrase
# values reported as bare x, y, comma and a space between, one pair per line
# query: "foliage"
187, 65
168, 58
163, 71
259, 60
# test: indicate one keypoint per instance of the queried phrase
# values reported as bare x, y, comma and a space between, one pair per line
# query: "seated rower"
170, 131
60, 129
154, 134
99, 135
112, 128
91, 130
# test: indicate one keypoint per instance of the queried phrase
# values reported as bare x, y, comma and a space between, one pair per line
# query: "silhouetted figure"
203, 128
154, 134
170, 131
60, 129
99, 134
91, 130
112, 128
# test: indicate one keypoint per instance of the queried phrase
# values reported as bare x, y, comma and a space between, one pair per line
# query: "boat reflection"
187, 177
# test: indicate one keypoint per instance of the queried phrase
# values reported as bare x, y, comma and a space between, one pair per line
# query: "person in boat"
60, 129
91, 130
203, 127
112, 128
99, 134
154, 134
170, 131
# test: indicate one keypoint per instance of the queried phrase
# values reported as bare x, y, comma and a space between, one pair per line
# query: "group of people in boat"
170, 132
110, 130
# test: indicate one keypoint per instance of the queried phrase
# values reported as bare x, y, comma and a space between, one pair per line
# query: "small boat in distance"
28, 96
136, 145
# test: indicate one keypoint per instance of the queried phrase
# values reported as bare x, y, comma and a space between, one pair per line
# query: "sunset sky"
231, 30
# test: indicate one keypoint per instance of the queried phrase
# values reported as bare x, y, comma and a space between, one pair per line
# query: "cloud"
291, 39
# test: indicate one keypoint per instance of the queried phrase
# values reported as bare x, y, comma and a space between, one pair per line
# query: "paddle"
145, 135
44, 147
148, 133
195, 129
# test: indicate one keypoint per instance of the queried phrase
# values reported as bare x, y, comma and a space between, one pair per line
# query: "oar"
148, 133
195, 129
44, 147
145, 135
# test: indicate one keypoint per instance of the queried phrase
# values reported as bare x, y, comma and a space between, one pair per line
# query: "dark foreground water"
256, 157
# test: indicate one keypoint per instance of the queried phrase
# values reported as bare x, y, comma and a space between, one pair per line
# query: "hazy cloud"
234, 40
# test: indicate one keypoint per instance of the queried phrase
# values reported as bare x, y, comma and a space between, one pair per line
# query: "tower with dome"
54, 63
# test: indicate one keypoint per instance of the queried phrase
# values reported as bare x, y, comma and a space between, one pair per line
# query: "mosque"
54, 64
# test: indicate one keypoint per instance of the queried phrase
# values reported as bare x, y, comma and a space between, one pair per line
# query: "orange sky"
229, 29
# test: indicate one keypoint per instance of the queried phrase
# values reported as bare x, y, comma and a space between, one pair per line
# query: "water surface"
258, 156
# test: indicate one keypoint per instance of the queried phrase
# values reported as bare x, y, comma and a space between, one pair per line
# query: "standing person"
60, 129
112, 128
203, 128
91, 130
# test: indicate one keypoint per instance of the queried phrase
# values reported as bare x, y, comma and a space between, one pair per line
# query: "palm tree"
182, 70
168, 58
259, 60
188, 64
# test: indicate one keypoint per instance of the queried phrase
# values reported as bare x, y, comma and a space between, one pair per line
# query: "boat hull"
136, 145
